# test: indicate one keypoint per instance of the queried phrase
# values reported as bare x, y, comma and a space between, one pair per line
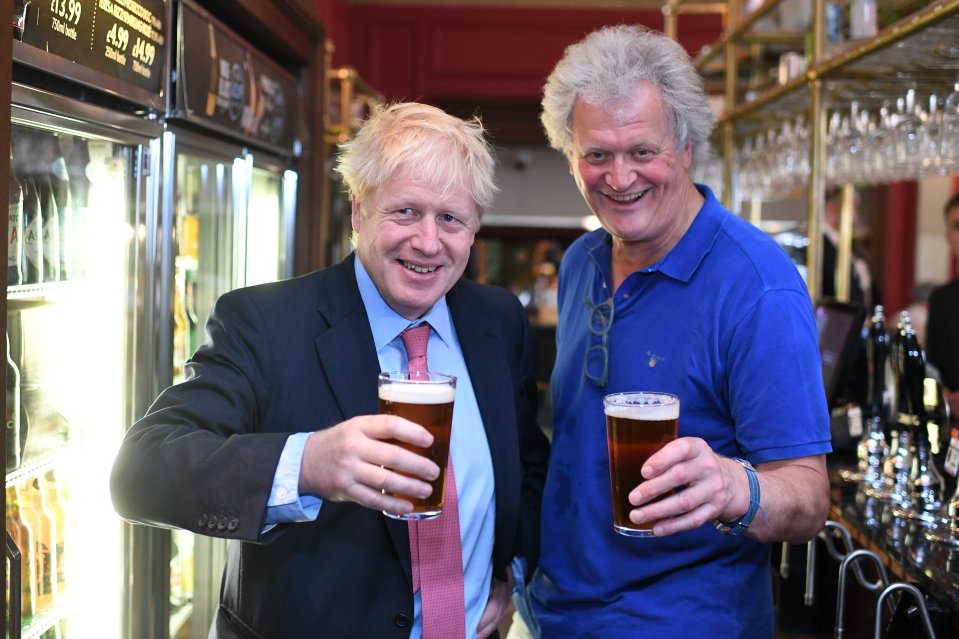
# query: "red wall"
483, 53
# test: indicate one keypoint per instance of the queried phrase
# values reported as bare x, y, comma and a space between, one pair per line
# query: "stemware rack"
917, 52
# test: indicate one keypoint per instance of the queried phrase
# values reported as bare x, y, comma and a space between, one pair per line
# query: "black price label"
122, 38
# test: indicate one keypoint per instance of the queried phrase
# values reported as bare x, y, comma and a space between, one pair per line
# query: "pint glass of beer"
637, 425
427, 399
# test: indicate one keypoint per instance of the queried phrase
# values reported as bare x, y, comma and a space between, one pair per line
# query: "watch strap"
742, 525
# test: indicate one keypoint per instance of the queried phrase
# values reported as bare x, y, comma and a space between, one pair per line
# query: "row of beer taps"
905, 413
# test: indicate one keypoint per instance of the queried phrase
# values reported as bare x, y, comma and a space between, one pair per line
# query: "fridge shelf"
42, 623
35, 467
29, 295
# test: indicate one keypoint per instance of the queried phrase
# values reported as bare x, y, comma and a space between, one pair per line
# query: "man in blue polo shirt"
673, 294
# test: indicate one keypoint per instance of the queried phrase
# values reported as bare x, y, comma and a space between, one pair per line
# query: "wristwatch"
740, 526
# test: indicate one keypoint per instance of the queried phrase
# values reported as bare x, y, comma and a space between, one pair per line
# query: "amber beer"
426, 399
637, 425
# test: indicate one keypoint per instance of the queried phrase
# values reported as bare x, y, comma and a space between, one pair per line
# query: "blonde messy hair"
421, 141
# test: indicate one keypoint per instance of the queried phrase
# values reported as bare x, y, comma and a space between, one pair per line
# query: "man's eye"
446, 217
596, 156
405, 211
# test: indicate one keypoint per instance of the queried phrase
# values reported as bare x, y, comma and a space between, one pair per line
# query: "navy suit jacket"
298, 355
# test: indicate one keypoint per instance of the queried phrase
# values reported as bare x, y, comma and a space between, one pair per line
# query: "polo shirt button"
232, 524
401, 620
201, 522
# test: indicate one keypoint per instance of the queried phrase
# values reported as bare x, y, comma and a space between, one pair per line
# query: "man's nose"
620, 175
426, 240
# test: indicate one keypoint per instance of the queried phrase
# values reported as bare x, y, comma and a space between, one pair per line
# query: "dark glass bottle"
873, 447
927, 482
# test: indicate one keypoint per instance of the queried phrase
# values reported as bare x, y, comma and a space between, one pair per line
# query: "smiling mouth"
626, 198
419, 269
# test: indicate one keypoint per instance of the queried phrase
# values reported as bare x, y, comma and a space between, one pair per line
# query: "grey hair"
605, 67
413, 139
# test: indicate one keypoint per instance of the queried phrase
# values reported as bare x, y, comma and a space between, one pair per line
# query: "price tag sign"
951, 464
125, 39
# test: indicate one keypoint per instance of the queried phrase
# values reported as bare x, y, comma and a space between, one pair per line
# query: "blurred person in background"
942, 326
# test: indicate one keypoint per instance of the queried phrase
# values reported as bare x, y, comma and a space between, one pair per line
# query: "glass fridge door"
267, 239
205, 194
78, 194
233, 226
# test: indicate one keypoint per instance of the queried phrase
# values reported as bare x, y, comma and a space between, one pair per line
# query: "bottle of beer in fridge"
59, 177
51, 227
13, 411
32, 233
23, 536
60, 513
32, 511
15, 230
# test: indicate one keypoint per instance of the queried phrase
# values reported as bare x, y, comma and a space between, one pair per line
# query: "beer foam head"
418, 393
638, 406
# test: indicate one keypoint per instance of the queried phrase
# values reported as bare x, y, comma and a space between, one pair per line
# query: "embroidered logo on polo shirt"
654, 358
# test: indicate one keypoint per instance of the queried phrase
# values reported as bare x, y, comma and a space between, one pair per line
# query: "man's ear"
356, 214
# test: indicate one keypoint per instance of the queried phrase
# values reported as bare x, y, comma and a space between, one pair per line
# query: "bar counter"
906, 546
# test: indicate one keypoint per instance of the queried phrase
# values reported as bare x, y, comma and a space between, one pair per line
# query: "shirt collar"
386, 323
684, 258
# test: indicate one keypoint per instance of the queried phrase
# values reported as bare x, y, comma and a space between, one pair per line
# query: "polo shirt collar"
684, 258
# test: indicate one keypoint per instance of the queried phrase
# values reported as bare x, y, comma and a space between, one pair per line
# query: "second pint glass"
637, 425
426, 399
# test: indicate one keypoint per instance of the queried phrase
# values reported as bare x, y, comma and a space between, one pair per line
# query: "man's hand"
706, 486
497, 606
355, 461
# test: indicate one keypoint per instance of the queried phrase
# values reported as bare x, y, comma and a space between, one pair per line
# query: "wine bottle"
15, 230
32, 233
51, 227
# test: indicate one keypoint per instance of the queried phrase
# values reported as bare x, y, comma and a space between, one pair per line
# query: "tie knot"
415, 340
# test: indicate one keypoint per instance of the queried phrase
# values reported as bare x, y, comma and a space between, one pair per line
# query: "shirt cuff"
286, 505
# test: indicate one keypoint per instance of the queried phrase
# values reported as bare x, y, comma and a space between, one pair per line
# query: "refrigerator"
228, 158
136, 199
83, 198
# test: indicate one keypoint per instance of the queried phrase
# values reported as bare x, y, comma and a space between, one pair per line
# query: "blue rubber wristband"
742, 525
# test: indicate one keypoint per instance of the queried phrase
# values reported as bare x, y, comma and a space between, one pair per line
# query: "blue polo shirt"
724, 321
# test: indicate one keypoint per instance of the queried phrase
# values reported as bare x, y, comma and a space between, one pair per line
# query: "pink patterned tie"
435, 548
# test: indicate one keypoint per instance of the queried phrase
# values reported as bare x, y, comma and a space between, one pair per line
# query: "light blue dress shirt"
468, 446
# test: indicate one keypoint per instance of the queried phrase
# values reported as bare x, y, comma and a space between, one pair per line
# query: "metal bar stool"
920, 603
852, 559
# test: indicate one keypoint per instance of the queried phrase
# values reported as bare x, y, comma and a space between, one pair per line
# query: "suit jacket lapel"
348, 358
